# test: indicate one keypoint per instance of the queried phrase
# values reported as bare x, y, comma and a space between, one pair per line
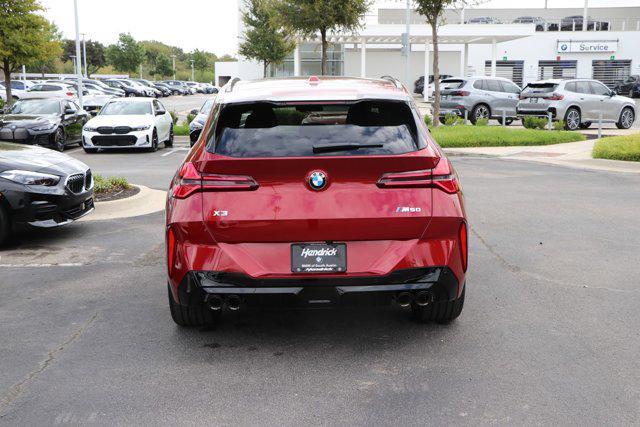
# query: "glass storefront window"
311, 60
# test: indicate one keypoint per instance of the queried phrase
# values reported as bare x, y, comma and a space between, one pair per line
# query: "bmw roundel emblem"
317, 180
564, 46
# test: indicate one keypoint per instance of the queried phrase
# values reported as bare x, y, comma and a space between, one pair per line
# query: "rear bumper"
198, 287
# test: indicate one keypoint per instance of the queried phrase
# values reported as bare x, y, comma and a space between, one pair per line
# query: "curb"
147, 201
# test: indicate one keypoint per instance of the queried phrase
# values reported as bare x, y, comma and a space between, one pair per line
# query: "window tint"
50, 88
17, 85
267, 130
599, 89
583, 87
571, 87
510, 87
479, 84
534, 88
451, 84
493, 85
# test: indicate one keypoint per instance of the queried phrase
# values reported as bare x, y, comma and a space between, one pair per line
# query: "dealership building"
523, 45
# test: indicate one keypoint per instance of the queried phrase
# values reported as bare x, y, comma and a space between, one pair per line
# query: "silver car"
579, 102
479, 97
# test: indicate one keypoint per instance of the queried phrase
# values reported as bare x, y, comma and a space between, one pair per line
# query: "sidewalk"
574, 154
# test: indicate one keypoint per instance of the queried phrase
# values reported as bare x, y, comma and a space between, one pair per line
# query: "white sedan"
129, 123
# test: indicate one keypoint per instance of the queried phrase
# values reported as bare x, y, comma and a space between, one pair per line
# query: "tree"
308, 17
265, 40
433, 11
48, 62
127, 54
163, 66
25, 37
96, 58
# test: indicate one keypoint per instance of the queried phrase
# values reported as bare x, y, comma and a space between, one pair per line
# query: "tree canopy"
96, 57
127, 54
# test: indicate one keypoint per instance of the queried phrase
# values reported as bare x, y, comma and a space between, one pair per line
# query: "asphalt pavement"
548, 335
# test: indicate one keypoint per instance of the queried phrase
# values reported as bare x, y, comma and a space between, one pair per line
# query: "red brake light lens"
464, 245
442, 177
555, 97
189, 181
171, 246
460, 93
445, 178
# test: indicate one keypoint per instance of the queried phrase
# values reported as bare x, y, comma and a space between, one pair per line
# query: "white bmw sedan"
129, 123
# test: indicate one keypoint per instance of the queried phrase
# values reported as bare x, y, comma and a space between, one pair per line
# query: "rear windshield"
533, 88
302, 130
451, 84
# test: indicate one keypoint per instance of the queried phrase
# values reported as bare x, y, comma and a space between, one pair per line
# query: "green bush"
109, 184
174, 117
189, 119
289, 116
534, 122
482, 122
181, 130
499, 136
1, 102
450, 119
428, 120
626, 147
559, 125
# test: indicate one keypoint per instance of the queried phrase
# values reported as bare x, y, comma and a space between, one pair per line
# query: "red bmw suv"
315, 192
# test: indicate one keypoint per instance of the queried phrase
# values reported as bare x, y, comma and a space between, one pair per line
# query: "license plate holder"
318, 258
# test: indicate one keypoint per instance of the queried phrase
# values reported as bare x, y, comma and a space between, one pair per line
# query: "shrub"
453, 120
499, 136
189, 119
174, 117
482, 122
113, 183
428, 120
534, 122
1, 102
624, 147
559, 125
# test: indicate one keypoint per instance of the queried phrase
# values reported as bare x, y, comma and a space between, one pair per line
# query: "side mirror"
612, 93
160, 112
193, 136
69, 111
194, 112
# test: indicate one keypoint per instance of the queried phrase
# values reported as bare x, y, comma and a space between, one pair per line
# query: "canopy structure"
460, 34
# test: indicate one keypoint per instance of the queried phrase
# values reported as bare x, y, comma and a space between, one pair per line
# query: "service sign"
578, 46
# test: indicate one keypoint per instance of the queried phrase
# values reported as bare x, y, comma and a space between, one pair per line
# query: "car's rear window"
533, 88
301, 130
451, 84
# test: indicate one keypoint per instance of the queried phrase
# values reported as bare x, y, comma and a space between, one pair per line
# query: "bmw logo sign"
564, 46
317, 180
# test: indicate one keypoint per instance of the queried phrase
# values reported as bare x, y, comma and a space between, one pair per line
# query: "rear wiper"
327, 148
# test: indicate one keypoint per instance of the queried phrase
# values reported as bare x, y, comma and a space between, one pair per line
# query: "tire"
480, 111
175, 93
169, 142
191, 316
508, 121
58, 140
154, 142
5, 225
90, 150
585, 125
442, 120
572, 119
131, 95
627, 117
441, 311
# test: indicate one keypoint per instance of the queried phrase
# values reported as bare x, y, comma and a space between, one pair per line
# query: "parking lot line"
175, 150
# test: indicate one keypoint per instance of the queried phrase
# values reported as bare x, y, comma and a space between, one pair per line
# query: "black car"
52, 122
629, 87
166, 91
418, 85
129, 90
41, 188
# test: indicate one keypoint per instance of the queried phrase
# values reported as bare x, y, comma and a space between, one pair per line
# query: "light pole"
407, 63
84, 55
174, 65
73, 59
193, 77
78, 70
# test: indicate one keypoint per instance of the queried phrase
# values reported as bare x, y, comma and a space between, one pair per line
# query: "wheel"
58, 140
508, 121
191, 316
90, 150
572, 119
627, 117
442, 120
585, 125
131, 95
175, 93
441, 311
480, 111
169, 142
5, 225
154, 142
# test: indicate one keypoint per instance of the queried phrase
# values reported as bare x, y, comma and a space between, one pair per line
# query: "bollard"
550, 125
466, 116
600, 125
504, 117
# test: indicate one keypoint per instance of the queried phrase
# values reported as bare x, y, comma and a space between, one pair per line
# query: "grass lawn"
499, 136
626, 147
181, 130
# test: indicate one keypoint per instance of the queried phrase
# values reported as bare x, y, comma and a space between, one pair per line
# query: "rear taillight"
190, 181
442, 177
171, 246
554, 97
464, 245
460, 93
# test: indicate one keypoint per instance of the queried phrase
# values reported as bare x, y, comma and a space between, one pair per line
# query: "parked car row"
568, 23
576, 102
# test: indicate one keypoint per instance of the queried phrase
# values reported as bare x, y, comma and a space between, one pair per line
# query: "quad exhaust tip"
424, 298
215, 302
233, 302
404, 299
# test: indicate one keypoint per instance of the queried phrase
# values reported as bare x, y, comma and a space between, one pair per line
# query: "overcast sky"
204, 24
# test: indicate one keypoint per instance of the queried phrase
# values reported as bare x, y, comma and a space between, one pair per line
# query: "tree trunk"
264, 69
7, 81
323, 34
436, 74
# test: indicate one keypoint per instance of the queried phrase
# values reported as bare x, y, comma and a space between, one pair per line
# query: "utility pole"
193, 76
407, 59
141, 70
84, 55
78, 70
585, 17
174, 65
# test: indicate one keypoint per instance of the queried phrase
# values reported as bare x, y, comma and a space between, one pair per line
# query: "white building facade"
551, 43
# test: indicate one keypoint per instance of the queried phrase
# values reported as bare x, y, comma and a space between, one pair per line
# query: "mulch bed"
116, 195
